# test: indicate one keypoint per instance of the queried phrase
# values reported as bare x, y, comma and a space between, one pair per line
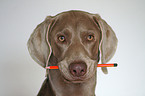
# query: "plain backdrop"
20, 75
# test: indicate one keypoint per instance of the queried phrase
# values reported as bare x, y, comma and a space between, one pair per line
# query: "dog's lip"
74, 80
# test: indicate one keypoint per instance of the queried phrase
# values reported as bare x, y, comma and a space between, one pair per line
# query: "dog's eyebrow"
64, 31
89, 31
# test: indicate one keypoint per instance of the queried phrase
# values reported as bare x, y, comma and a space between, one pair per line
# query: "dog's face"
75, 39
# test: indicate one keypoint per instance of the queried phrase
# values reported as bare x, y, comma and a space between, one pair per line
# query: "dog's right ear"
38, 44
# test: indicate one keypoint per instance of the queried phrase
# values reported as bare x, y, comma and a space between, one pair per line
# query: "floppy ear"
108, 43
38, 45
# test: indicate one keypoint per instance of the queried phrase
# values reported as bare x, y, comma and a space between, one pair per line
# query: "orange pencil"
52, 67
107, 65
99, 65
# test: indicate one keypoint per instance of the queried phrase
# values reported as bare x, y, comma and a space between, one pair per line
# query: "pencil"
107, 65
99, 65
52, 67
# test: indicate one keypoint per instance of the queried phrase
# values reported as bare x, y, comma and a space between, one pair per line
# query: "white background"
21, 76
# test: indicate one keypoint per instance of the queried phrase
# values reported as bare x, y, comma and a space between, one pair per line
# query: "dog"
73, 41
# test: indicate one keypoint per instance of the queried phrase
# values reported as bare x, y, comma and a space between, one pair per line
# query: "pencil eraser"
115, 64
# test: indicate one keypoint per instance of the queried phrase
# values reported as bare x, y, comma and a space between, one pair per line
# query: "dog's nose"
78, 69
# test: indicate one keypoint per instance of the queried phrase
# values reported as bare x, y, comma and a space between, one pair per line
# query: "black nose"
78, 68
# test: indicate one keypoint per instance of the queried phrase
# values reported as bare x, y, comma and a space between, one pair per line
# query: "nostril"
74, 71
82, 70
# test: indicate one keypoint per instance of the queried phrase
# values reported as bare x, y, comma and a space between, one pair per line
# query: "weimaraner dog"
73, 41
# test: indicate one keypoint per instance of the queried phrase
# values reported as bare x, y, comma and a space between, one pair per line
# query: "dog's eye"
61, 38
90, 38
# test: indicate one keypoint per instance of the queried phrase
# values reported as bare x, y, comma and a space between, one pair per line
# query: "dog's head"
75, 39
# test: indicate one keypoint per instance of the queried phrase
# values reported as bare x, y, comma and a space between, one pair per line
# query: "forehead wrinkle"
75, 22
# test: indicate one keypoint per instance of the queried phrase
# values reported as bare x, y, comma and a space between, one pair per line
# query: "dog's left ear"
108, 42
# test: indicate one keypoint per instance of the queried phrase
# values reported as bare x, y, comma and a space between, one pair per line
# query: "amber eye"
61, 38
90, 37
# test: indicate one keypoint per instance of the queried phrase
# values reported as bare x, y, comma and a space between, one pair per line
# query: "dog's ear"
38, 44
108, 42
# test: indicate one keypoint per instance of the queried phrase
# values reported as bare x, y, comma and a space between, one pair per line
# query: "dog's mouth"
67, 77
77, 79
